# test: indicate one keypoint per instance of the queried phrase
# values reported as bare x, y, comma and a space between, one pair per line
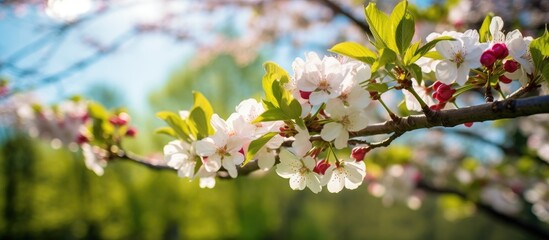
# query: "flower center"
303, 170
459, 58
323, 85
345, 121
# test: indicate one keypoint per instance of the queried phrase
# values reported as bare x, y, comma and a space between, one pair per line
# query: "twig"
509, 108
338, 10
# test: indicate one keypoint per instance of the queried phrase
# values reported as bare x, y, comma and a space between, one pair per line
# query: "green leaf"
403, 25
274, 78
176, 123
377, 87
378, 22
291, 108
430, 45
387, 56
274, 114
416, 72
484, 31
354, 51
257, 144
433, 55
202, 102
166, 131
410, 52
539, 49
199, 124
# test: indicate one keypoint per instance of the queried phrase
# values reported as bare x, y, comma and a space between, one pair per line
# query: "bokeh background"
149, 56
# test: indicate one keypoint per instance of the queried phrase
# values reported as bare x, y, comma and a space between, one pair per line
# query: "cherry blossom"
180, 155
320, 77
299, 170
344, 120
223, 148
94, 158
460, 56
344, 174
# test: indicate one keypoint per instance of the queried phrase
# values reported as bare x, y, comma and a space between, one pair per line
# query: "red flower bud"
488, 58
500, 50
131, 132
438, 107
81, 139
305, 95
358, 153
321, 167
468, 124
511, 66
504, 79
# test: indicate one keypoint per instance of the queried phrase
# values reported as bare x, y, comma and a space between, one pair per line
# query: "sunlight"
67, 10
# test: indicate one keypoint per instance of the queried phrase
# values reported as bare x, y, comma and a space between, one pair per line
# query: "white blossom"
299, 170
223, 148
347, 173
344, 120
320, 77
460, 55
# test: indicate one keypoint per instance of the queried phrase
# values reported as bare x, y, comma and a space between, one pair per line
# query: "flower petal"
331, 130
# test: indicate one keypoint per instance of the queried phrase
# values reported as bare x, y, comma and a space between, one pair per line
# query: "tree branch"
509, 108
338, 10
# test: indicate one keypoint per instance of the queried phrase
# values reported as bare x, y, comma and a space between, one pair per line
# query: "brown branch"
338, 10
509, 108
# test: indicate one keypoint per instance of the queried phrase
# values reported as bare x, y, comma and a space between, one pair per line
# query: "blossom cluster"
328, 84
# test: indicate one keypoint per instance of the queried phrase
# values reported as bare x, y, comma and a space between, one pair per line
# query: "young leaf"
378, 22
539, 49
202, 102
355, 51
484, 31
275, 78
410, 53
199, 124
416, 72
176, 123
256, 145
387, 56
430, 45
274, 114
166, 131
377, 87
403, 25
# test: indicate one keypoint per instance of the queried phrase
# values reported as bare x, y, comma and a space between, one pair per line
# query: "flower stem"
391, 114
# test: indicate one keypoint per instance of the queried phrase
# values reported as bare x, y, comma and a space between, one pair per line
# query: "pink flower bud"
511, 66
81, 139
438, 107
131, 132
488, 58
504, 79
358, 153
443, 92
436, 85
120, 119
500, 50
305, 95
321, 167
